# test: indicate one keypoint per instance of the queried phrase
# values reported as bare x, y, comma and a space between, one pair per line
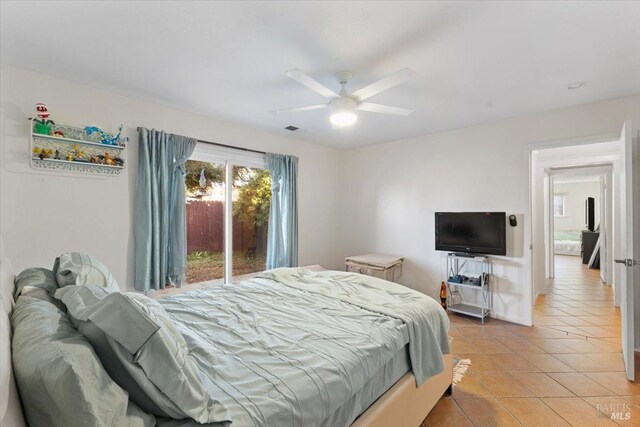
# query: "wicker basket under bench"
387, 267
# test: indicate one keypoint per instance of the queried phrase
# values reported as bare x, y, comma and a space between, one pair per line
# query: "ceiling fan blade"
384, 109
299, 109
384, 84
311, 83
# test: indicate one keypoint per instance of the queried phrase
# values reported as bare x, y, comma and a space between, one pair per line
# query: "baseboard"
509, 319
535, 297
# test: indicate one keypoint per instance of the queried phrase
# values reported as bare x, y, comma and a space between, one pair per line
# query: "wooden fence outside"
205, 228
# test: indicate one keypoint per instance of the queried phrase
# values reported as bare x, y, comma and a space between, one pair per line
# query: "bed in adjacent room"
567, 242
290, 347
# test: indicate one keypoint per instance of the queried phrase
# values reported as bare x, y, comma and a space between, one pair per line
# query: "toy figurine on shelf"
58, 133
42, 153
57, 155
77, 154
104, 137
108, 160
42, 125
118, 161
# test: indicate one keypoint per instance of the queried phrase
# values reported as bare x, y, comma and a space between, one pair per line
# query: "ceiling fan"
344, 104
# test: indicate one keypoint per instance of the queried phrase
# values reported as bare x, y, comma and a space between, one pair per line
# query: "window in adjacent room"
558, 205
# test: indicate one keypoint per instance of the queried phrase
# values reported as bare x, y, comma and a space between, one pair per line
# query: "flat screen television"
471, 232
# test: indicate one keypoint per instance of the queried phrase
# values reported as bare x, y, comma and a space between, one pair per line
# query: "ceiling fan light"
343, 112
344, 118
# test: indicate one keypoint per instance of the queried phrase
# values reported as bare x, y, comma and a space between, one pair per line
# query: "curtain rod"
226, 146
231, 146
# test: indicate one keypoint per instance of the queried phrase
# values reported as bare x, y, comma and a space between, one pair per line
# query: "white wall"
379, 198
575, 194
393, 190
45, 213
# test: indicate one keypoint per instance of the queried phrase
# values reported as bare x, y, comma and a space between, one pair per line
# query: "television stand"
469, 272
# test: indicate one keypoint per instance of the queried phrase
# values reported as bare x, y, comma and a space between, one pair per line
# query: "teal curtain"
159, 219
282, 240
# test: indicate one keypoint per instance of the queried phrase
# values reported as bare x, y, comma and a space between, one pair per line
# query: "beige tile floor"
567, 370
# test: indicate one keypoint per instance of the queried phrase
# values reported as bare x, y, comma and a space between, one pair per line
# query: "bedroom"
214, 72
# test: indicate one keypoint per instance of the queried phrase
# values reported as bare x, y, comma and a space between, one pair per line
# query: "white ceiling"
475, 61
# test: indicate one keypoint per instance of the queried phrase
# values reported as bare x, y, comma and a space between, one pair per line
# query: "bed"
567, 242
296, 347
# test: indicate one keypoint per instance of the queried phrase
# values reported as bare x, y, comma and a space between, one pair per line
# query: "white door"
602, 224
551, 249
628, 247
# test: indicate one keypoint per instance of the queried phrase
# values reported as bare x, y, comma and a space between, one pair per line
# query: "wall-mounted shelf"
66, 165
78, 141
76, 151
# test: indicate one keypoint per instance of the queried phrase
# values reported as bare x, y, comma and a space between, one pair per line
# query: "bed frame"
403, 405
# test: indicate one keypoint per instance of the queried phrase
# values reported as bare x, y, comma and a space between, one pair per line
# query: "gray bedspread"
290, 347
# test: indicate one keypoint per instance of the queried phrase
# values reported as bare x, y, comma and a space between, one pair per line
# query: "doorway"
567, 302
578, 218
570, 185
576, 297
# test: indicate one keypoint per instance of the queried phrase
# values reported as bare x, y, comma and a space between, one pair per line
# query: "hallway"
578, 302
566, 370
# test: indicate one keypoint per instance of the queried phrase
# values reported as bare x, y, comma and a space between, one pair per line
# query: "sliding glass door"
205, 202
228, 201
251, 202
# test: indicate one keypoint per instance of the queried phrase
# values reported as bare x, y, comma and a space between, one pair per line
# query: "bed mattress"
276, 354
567, 247
375, 387
567, 242
272, 357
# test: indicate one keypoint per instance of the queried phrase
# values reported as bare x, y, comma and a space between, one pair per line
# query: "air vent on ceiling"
292, 128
